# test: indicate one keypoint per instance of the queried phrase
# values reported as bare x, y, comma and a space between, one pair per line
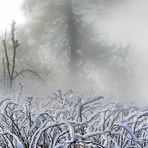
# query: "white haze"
128, 23
9, 10
125, 22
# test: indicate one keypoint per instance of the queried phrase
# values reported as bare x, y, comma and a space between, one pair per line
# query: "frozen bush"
69, 121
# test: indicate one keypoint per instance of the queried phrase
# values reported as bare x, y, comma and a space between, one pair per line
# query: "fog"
128, 23
91, 46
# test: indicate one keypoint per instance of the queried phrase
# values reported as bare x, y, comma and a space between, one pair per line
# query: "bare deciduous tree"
11, 70
9, 60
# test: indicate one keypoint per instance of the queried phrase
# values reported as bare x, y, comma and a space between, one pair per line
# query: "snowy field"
66, 120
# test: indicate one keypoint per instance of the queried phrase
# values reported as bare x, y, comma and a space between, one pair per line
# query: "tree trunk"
72, 30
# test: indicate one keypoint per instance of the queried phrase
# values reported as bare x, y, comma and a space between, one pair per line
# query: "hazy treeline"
61, 47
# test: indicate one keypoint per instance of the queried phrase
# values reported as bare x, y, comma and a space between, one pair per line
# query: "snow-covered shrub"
69, 121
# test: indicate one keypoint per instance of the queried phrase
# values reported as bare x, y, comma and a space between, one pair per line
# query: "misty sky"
124, 21
10, 9
128, 23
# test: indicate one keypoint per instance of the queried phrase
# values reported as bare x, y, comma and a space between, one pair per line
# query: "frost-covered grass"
68, 121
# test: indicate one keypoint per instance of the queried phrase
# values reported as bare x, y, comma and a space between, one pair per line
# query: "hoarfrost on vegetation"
72, 121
